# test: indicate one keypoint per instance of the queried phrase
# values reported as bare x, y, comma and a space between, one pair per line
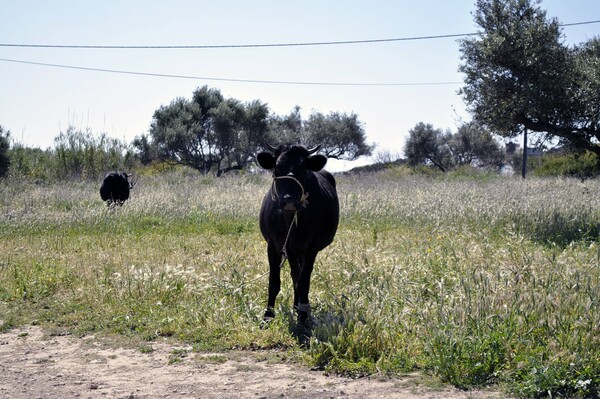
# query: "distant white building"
513, 148
534, 152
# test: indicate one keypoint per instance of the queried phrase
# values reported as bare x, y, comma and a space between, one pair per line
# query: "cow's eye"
278, 172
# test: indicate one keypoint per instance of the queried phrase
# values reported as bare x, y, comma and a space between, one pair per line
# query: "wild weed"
478, 281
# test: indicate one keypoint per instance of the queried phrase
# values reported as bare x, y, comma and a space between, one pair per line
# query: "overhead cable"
274, 82
226, 46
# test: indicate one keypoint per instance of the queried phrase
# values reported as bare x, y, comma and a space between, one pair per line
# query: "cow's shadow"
302, 332
324, 325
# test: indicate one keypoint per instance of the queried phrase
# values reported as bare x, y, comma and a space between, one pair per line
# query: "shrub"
582, 165
4, 159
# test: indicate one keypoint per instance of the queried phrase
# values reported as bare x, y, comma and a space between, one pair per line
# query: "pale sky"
38, 102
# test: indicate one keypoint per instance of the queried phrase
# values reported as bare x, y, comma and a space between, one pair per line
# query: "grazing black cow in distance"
115, 188
298, 218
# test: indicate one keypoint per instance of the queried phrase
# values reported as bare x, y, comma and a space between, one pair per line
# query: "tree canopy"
519, 74
427, 145
474, 145
207, 132
341, 135
470, 145
214, 133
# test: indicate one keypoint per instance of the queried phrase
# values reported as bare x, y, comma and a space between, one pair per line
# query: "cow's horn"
271, 147
313, 150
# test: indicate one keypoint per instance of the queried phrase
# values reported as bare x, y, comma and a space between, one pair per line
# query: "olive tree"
520, 75
471, 145
427, 145
207, 133
476, 146
340, 135
211, 133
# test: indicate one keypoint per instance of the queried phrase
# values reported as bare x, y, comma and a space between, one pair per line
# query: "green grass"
476, 281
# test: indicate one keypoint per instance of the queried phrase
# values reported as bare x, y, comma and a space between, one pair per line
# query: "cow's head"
290, 166
131, 182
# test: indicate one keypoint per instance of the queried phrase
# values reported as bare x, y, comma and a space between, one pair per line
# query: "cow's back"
107, 187
329, 177
329, 214
115, 187
122, 190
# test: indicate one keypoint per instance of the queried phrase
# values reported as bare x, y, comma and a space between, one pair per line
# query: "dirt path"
36, 366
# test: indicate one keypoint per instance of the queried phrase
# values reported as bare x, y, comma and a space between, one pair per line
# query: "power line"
225, 46
116, 71
275, 82
580, 23
229, 46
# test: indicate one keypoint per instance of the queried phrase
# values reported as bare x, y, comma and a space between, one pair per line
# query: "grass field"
477, 280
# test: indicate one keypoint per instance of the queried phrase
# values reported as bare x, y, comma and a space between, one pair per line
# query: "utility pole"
524, 170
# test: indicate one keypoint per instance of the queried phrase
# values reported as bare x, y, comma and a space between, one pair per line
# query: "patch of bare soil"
34, 365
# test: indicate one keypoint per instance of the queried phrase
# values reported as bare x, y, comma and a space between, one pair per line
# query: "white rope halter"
303, 202
275, 194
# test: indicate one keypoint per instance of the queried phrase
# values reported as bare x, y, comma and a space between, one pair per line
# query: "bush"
31, 163
80, 154
76, 155
581, 165
4, 159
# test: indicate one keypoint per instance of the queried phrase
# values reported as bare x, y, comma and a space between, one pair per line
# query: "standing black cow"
115, 188
298, 218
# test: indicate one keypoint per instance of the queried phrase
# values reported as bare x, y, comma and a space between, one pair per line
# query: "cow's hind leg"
274, 281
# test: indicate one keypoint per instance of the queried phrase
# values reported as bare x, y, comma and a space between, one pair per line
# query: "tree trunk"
524, 169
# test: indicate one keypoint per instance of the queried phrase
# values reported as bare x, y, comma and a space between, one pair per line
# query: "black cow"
115, 188
298, 218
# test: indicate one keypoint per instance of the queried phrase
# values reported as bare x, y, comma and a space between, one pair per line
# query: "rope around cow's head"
303, 203
275, 194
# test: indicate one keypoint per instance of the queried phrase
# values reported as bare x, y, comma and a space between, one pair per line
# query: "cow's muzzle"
288, 202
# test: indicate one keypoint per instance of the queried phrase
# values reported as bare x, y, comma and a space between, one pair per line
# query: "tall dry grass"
478, 281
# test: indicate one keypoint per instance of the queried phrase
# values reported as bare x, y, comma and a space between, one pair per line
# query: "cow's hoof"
265, 323
304, 319
267, 318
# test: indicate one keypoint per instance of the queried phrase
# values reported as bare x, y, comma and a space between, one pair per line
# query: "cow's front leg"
274, 280
303, 304
295, 273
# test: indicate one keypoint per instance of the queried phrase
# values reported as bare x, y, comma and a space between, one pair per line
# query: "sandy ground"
34, 365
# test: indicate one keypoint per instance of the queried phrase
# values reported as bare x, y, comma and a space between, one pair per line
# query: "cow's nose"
289, 203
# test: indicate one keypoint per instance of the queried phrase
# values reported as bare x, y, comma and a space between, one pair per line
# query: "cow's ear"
317, 162
265, 160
